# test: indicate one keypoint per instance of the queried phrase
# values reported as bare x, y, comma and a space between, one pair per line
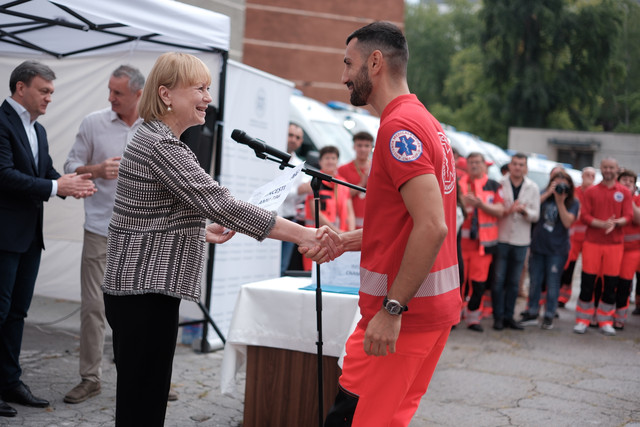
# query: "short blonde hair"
171, 70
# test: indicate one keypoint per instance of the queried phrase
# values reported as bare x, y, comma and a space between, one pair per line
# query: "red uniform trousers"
630, 264
604, 259
389, 388
476, 274
567, 275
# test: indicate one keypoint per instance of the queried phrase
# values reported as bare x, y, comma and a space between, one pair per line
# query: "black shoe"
6, 410
560, 304
512, 324
547, 323
475, 327
636, 311
23, 396
528, 320
498, 325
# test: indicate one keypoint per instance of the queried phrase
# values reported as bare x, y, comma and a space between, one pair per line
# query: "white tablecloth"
276, 313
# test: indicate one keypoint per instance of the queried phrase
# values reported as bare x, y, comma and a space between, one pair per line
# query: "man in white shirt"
289, 207
101, 140
522, 208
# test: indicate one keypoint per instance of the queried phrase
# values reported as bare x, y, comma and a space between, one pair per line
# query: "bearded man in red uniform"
409, 297
606, 208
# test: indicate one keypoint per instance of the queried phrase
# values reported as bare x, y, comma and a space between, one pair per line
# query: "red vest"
487, 191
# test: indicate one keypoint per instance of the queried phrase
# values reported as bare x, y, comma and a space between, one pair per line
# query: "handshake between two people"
318, 244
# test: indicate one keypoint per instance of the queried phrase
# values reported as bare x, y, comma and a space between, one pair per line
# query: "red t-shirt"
600, 202
333, 204
353, 175
410, 143
632, 232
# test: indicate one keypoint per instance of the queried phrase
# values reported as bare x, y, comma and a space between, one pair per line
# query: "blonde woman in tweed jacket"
156, 239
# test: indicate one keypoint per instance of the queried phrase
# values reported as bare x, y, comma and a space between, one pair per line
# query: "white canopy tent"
65, 28
83, 42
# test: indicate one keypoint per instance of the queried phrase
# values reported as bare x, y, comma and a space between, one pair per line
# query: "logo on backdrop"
448, 167
405, 146
261, 102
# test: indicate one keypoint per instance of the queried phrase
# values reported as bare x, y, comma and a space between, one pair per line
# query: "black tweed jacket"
156, 237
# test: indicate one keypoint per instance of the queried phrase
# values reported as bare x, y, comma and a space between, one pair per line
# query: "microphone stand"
316, 182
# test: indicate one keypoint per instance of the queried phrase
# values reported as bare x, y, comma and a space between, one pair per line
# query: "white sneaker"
580, 328
608, 330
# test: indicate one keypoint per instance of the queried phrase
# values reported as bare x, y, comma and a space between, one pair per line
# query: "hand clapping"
78, 186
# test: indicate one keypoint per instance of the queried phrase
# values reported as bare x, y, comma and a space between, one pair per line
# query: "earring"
169, 109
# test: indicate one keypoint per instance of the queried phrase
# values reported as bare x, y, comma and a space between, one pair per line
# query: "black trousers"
18, 272
145, 330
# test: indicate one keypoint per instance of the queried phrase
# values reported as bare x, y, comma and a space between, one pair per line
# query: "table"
273, 332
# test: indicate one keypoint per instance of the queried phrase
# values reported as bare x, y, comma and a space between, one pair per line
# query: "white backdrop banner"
258, 104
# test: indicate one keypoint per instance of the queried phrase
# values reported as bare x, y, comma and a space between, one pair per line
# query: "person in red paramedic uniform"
357, 172
336, 210
631, 256
606, 208
479, 234
409, 296
576, 238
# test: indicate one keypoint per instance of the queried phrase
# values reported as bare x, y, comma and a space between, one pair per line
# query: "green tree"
620, 106
565, 64
544, 57
434, 38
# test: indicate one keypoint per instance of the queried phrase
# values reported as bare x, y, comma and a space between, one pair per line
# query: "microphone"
259, 146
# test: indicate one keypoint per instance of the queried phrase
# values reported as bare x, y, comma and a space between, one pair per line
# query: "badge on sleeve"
405, 146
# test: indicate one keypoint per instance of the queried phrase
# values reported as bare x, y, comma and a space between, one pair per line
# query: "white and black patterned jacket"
156, 236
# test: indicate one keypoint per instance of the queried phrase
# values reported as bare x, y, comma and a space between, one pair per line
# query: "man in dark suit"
27, 179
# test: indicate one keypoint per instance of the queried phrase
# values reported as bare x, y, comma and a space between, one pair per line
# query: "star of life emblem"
405, 146
618, 196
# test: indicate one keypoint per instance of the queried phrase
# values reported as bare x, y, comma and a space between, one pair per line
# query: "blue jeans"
287, 251
545, 268
508, 262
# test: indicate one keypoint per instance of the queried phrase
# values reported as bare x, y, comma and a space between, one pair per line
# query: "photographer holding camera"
550, 246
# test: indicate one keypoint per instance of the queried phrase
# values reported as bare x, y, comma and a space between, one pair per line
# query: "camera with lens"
562, 188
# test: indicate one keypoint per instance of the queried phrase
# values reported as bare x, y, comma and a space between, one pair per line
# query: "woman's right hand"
323, 245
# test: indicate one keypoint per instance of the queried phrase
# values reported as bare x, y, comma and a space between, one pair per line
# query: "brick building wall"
304, 40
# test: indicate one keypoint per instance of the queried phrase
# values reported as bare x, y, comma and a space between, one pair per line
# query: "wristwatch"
394, 307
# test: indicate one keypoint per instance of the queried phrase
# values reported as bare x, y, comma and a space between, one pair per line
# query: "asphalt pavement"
534, 377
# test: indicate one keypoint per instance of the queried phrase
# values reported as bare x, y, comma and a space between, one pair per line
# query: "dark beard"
362, 88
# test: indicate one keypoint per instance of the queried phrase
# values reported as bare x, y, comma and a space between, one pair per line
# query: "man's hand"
215, 233
471, 200
609, 225
322, 246
382, 332
78, 186
109, 168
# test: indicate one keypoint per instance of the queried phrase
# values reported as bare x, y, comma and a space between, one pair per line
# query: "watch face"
393, 308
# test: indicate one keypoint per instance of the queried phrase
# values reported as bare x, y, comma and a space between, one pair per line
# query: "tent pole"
217, 162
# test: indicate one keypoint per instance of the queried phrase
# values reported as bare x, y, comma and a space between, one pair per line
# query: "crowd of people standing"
512, 221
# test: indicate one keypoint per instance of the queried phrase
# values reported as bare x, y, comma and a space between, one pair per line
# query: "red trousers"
602, 259
389, 388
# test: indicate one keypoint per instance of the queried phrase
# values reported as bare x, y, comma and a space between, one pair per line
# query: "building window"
578, 158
